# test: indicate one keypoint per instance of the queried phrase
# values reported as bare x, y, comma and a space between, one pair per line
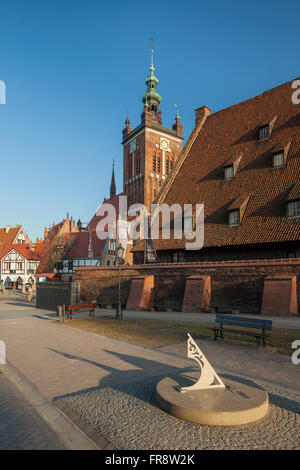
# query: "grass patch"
150, 333
159, 333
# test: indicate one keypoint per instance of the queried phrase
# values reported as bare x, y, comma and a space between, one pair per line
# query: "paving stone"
21, 427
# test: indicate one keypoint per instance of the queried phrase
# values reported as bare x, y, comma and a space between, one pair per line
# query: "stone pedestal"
141, 293
280, 295
197, 294
241, 402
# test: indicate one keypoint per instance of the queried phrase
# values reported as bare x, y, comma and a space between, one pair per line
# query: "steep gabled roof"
23, 249
80, 241
235, 131
9, 237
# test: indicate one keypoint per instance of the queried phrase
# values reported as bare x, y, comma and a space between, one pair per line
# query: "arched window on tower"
171, 164
158, 164
137, 167
167, 166
154, 163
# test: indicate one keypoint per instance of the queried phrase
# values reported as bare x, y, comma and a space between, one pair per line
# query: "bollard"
59, 311
63, 312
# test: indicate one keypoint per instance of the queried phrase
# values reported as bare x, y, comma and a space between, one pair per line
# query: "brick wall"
234, 284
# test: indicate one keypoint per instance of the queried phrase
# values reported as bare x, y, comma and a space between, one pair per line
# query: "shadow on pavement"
148, 374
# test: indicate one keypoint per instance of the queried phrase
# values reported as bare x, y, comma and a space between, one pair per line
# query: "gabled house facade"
13, 235
18, 264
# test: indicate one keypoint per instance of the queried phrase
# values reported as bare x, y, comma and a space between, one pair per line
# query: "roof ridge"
254, 97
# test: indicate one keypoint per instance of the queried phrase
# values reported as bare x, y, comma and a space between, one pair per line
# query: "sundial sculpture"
210, 400
208, 377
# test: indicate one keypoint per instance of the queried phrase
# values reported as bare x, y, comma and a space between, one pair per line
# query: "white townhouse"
18, 263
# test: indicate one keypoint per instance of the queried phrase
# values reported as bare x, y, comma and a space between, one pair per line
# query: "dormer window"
234, 218
279, 154
278, 159
231, 166
293, 209
266, 128
264, 132
228, 172
237, 210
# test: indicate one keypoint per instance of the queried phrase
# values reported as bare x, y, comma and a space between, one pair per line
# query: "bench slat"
240, 332
81, 306
247, 322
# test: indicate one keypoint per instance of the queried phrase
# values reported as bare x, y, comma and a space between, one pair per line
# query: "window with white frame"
294, 209
278, 159
234, 218
229, 172
264, 132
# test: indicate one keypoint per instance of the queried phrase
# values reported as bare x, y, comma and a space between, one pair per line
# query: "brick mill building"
243, 164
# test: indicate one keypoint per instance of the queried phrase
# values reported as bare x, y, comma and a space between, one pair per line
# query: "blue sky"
74, 68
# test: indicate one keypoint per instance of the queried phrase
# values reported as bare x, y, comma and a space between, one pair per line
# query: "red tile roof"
225, 134
22, 249
80, 241
8, 238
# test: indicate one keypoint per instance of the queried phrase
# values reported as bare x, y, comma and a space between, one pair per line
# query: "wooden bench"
80, 308
261, 326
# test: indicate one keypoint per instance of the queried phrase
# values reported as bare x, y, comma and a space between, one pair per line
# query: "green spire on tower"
151, 98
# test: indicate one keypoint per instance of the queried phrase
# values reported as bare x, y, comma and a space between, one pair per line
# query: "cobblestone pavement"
127, 415
113, 375
20, 425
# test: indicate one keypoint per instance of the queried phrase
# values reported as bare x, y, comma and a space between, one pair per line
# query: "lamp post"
119, 257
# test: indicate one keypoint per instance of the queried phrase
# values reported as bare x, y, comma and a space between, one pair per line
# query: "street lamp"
119, 258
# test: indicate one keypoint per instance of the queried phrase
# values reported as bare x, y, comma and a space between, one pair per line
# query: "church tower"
150, 150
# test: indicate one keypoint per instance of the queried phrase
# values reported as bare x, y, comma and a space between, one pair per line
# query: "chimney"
7, 228
201, 114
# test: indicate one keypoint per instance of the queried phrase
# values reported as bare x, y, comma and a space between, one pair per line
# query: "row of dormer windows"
278, 160
293, 211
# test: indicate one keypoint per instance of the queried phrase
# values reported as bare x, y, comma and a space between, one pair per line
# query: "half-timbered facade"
18, 264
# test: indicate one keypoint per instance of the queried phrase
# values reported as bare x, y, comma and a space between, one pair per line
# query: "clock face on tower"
164, 144
132, 146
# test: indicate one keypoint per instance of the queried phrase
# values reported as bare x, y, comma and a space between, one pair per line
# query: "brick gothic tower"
150, 150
